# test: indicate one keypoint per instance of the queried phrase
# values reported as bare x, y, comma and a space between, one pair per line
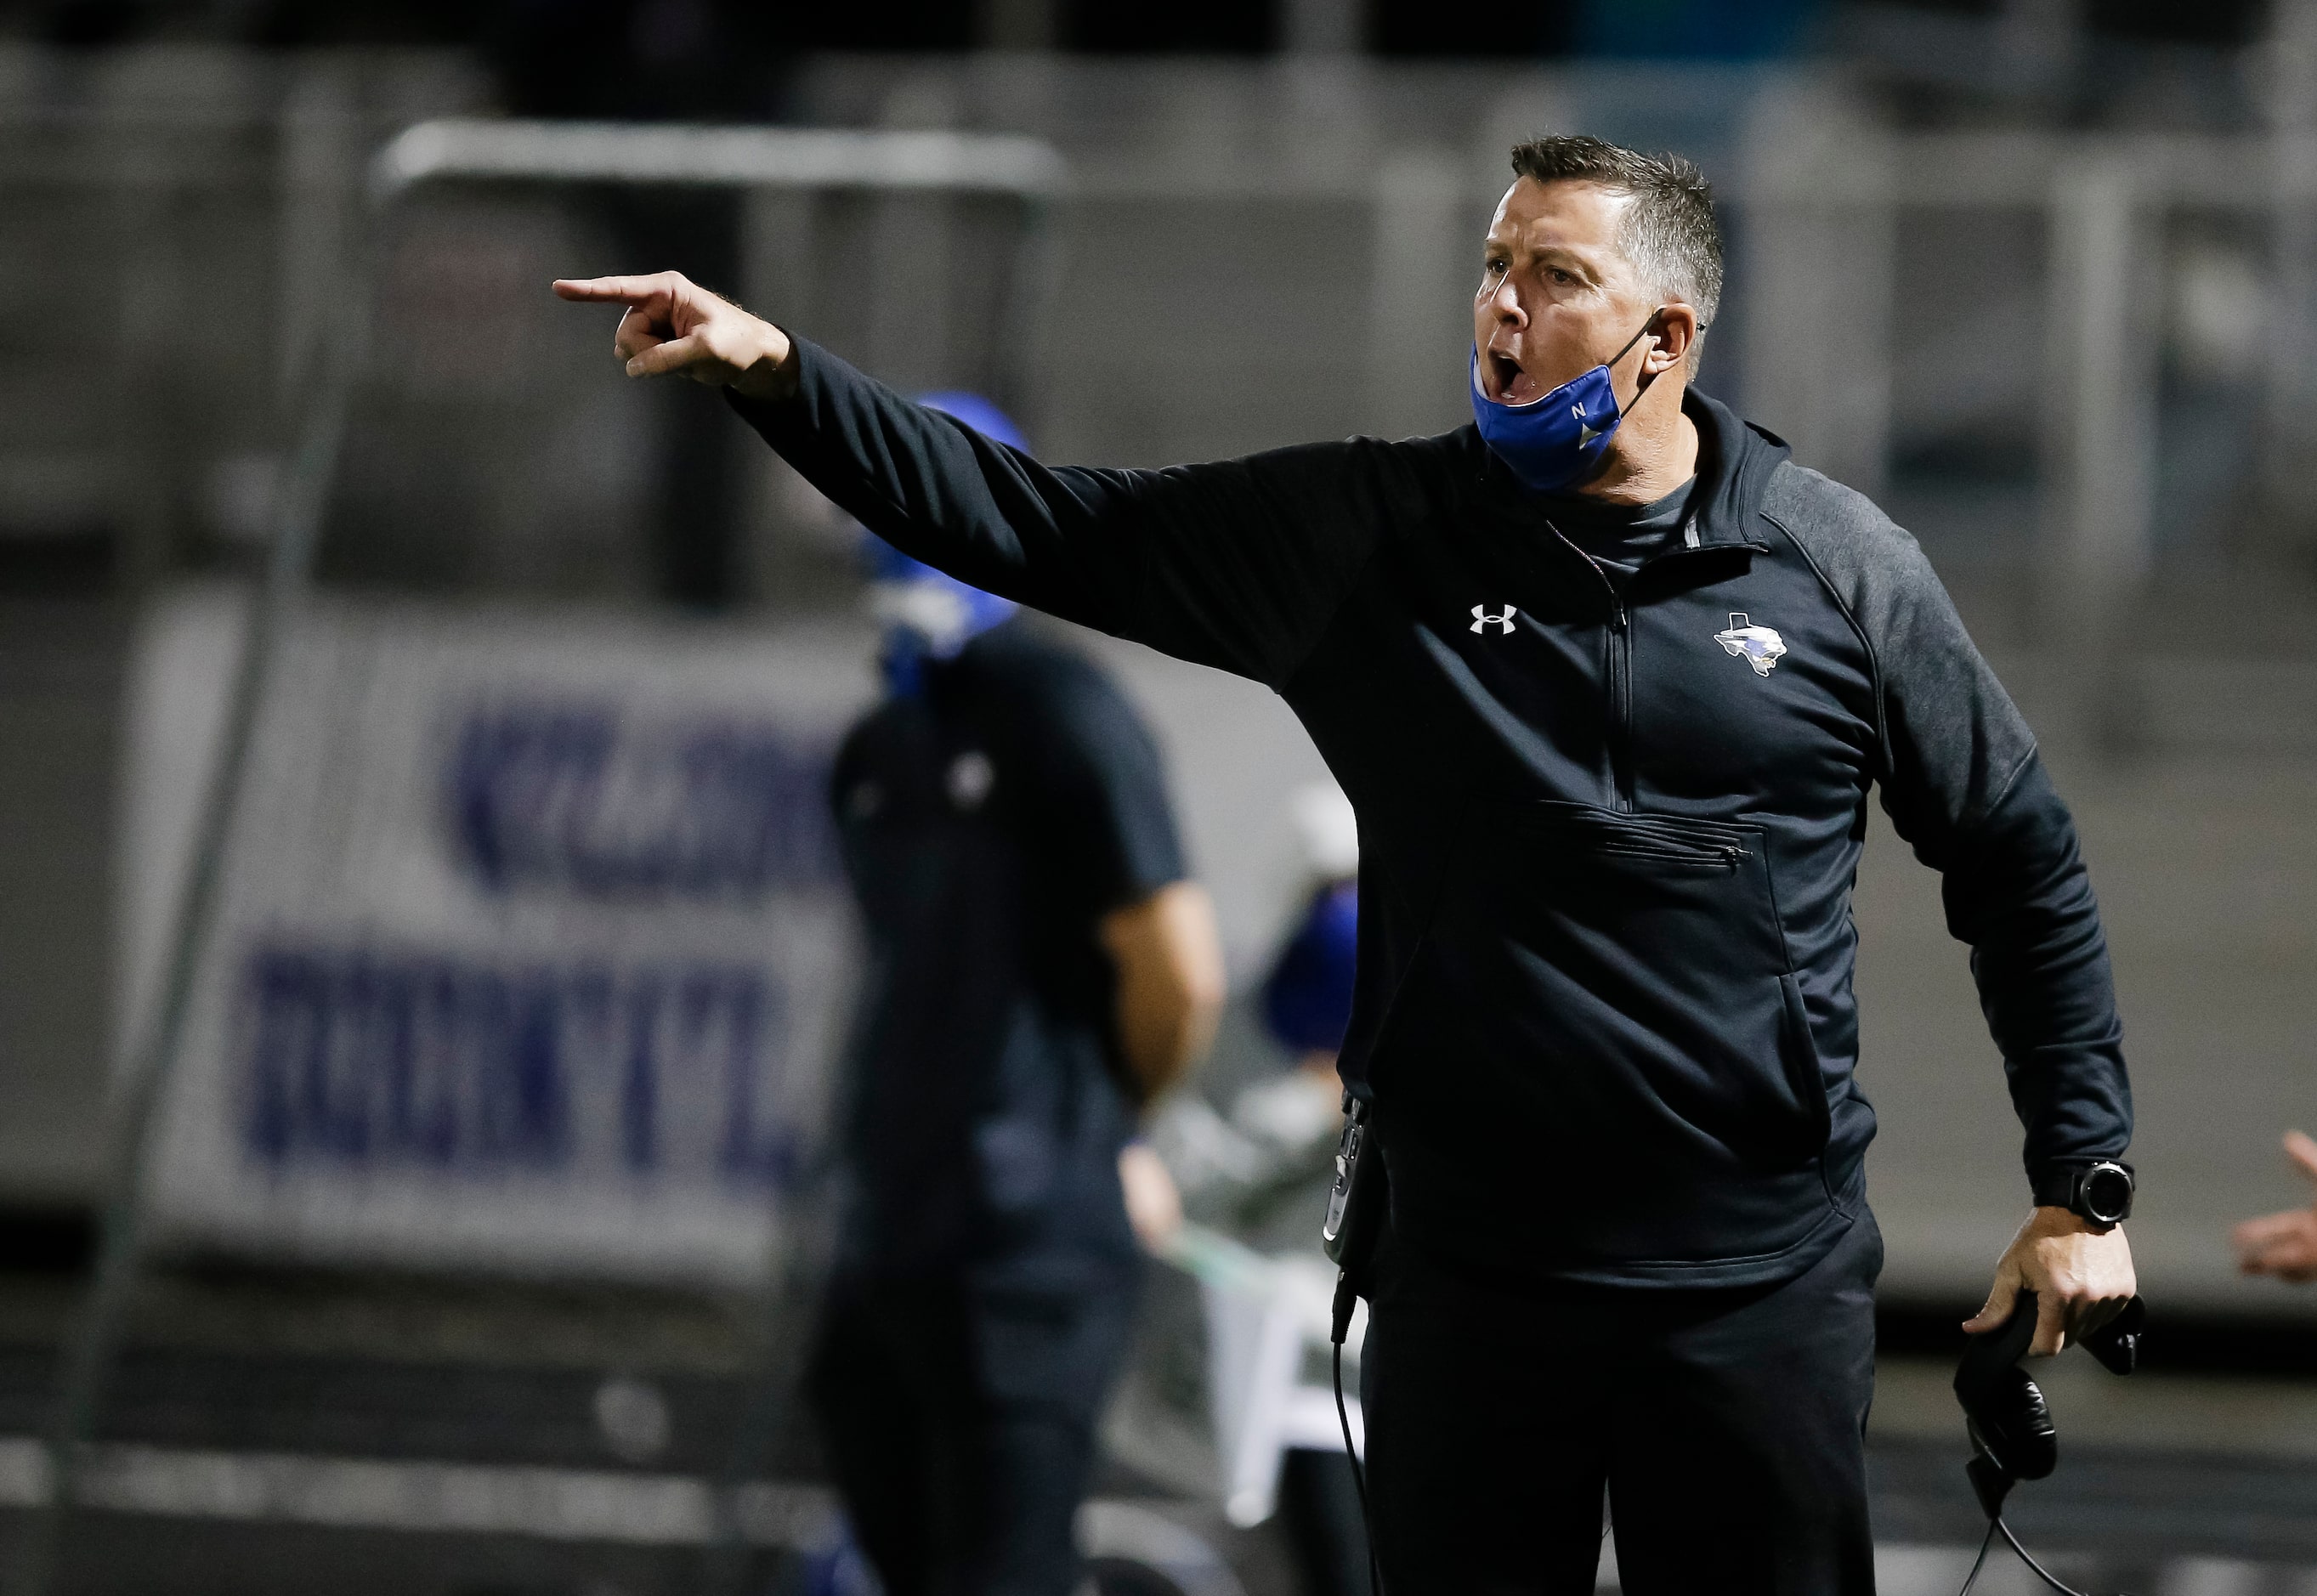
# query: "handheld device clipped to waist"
1355, 1214
1355, 1202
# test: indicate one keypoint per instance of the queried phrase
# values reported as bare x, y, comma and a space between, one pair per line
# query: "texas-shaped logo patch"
1758, 645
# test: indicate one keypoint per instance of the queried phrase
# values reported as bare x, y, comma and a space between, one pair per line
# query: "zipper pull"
1616, 613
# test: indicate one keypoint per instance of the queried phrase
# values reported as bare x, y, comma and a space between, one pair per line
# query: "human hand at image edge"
2283, 1245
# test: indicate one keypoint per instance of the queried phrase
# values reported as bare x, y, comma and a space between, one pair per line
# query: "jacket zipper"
1618, 731
1719, 857
1621, 698
1621, 660
1663, 842
1621, 669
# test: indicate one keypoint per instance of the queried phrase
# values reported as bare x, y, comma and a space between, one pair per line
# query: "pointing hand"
673, 324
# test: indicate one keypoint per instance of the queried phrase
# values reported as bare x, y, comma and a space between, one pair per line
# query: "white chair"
1265, 1317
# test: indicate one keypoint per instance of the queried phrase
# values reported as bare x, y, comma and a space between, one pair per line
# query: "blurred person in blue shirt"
1040, 968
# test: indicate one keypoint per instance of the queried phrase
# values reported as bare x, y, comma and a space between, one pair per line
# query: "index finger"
626, 290
2260, 1230
2303, 1151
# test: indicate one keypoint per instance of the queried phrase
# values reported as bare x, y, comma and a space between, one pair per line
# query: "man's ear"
1675, 330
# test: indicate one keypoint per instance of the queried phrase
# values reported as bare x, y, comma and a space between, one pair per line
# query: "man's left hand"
2080, 1273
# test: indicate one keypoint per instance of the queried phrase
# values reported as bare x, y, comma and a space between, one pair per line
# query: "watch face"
2107, 1194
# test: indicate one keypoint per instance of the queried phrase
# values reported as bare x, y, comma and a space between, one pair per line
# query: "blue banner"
356, 1057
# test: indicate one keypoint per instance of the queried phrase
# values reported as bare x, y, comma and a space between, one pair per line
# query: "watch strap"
2056, 1185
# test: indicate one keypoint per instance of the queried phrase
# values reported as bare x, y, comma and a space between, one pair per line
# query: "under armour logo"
1758, 645
1503, 622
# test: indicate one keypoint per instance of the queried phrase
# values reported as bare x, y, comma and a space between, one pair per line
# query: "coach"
1607, 678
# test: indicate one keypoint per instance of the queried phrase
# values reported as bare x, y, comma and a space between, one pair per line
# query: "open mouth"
1507, 383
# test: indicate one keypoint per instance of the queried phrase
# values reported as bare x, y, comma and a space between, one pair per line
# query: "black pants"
1727, 1427
1320, 1514
960, 1424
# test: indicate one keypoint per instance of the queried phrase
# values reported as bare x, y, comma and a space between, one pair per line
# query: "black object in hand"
2012, 1435
2116, 1344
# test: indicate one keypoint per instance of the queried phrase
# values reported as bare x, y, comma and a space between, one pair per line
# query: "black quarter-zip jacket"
1609, 826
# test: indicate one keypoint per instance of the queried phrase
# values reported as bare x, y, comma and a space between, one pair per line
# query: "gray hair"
1668, 232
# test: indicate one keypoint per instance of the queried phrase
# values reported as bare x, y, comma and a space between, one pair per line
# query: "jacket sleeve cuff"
755, 412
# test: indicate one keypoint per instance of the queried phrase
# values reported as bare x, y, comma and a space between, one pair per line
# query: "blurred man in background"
1608, 680
1040, 968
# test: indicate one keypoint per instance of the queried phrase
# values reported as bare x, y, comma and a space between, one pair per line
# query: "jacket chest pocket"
1639, 959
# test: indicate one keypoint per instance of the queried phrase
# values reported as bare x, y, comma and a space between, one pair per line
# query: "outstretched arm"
1240, 564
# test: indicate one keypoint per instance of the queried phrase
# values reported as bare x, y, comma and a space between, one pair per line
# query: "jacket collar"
1735, 459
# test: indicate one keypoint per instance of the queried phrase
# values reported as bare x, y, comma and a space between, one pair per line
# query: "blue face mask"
1558, 441
927, 616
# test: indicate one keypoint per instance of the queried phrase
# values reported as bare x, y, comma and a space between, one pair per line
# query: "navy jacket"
1608, 829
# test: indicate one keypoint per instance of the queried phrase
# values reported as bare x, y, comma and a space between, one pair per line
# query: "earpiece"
2009, 1424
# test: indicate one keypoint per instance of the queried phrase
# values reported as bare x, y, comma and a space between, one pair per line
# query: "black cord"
1986, 1545
2042, 1572
1359, 1475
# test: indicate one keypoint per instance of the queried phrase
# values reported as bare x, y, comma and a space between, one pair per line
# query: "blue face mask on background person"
1558, 441
929, 614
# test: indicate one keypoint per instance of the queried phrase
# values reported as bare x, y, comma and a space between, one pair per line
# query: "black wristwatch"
2100, 1191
